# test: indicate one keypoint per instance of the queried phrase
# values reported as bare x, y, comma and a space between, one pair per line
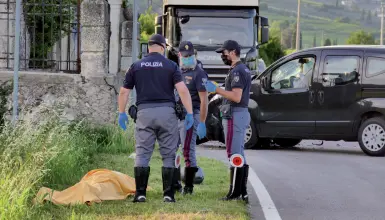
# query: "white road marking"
267, 204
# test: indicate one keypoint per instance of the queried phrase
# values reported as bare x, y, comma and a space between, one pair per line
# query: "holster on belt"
180, 113
133, 111
226, 111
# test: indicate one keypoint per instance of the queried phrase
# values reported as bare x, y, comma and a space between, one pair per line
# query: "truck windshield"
213, 31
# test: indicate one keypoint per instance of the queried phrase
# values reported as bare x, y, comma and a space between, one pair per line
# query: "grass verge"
57, 155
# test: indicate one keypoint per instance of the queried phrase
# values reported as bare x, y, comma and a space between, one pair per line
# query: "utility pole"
16, 63
134, 53
297, 43
134, 31
382, 23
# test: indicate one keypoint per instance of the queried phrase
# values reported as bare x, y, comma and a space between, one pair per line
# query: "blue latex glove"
201, 130
188, 121
123, 119
210, 86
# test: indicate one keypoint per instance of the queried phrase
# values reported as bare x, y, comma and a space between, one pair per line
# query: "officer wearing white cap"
235, 114
154, 78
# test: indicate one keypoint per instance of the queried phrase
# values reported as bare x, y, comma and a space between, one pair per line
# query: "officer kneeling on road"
194, 78
154, 78
235, 116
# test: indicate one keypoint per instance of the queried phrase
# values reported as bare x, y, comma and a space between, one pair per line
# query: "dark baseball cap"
186, 48
157, 39
229, 45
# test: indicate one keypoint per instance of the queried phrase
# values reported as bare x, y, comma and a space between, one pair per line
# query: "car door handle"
321, 97
311, 97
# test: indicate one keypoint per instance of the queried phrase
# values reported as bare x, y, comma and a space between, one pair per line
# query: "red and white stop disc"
237, 160
177, 160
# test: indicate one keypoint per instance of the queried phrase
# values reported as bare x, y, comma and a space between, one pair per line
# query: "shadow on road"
315, 150
321, 149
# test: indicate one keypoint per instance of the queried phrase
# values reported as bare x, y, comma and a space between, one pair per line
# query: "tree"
369, 18
284, 24
300, 40
363, 15
286, 38
327, 42
335, 42
147, 25
294, 37
271, 51
315, 41
361, 37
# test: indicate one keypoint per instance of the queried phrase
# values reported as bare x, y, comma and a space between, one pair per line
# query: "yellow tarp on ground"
96, 186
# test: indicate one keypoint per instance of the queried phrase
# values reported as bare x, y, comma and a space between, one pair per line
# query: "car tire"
371, 137
252, 141
250, 136
287, 142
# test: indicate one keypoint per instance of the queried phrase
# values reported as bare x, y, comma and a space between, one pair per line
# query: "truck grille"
217, 75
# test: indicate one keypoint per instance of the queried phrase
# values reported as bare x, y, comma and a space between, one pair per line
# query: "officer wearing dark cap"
154, 78
235, 114
194, 77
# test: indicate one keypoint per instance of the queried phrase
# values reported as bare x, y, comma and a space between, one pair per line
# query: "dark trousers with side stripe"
235, 131
188, 141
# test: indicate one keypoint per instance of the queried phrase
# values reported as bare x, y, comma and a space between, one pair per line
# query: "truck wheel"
286, 142
250, 136
371, 137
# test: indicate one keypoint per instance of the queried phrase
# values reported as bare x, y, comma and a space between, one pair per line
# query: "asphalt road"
335, 181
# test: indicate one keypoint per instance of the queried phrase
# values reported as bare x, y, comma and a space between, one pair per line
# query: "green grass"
204, 203
58, 155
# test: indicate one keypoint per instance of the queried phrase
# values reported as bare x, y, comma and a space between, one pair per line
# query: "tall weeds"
52, 154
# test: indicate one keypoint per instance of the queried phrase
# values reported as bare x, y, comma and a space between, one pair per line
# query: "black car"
325, 93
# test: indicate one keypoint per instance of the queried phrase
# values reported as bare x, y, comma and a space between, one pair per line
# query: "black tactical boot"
168, 186
177, 181
236, 177
141, 180
189, 173
245, 196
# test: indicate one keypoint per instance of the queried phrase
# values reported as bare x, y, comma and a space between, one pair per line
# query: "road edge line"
268, 207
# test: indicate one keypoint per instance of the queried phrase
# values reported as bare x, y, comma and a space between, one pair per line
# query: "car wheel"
252, 141
286, 142
250, 136
371, 137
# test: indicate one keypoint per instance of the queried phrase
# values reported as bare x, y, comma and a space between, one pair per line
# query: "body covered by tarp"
96, 186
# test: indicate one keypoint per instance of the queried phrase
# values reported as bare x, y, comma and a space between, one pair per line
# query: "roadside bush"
53, 154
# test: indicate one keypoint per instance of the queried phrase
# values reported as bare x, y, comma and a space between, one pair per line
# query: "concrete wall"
91, 95
126, 42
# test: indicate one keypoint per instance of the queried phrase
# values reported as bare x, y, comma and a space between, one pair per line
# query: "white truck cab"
207, 24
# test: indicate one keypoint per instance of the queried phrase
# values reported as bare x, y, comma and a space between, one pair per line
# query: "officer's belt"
155, 105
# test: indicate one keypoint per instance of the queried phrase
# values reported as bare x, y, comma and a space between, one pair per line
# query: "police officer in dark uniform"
154, 78
235, 114
194, 78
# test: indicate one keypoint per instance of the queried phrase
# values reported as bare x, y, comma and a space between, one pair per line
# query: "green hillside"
324, 18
